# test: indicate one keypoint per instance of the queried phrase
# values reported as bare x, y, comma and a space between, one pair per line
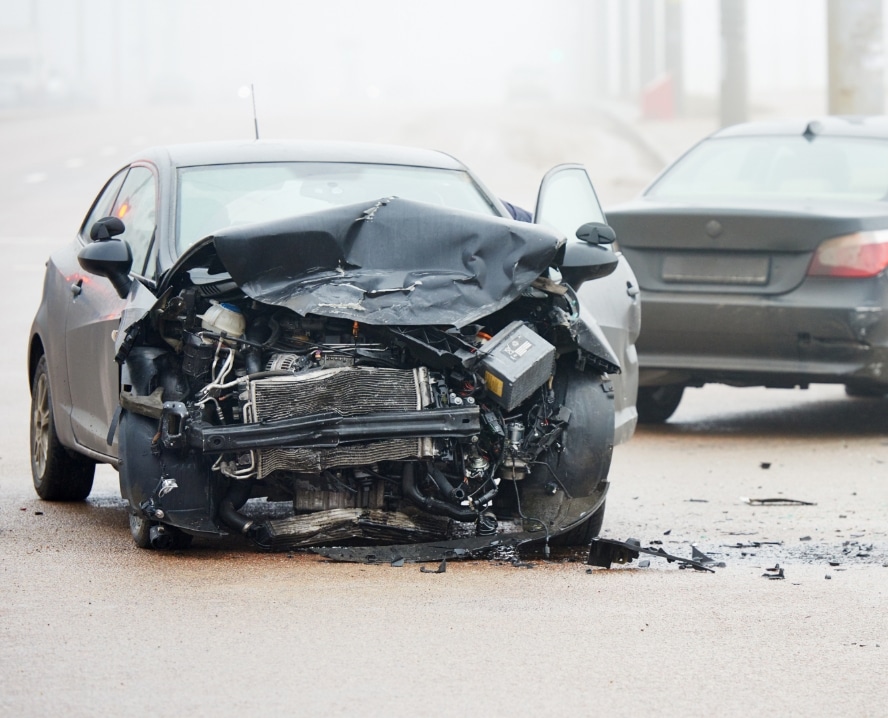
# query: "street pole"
733, 105
856, 57
673, 53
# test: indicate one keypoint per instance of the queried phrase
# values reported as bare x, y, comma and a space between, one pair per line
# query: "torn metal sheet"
776, 502
604, 552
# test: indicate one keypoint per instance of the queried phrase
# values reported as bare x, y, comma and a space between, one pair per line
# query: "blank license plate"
714, 269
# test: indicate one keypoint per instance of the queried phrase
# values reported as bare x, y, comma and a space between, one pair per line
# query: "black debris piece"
835, 563
765, 464
604, 552
775, 573
667, 532
699, 501
805, 538
776, 502
442, 568
828, 577
754, 544
701, 557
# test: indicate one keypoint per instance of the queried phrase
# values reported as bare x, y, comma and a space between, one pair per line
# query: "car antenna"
255, 121
811, 131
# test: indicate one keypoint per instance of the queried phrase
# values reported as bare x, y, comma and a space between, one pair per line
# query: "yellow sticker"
494, 383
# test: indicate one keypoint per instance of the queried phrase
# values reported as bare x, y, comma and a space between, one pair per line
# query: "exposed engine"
337, 416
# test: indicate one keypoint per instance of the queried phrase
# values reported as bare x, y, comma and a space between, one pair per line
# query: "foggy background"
509, 86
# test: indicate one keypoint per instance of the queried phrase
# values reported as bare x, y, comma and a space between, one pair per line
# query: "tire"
58, 474
655, 404
140, 528
857, 391
583, 534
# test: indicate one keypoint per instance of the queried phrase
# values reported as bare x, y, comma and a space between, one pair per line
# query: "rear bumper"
827, 331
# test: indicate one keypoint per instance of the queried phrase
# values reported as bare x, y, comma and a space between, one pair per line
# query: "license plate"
691, 267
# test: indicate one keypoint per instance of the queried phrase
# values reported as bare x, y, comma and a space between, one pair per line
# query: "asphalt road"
90, 625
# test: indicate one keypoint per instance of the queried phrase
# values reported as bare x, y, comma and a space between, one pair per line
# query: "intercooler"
347, 391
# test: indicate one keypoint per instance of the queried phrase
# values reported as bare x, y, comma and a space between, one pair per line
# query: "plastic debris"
776, 502
442, 568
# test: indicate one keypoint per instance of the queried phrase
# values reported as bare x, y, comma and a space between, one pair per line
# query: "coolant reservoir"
223, 318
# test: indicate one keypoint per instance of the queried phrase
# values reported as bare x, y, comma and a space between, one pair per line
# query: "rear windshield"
779, 167
217, 196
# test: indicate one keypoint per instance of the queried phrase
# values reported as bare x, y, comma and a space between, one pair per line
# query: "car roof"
247, 151
875, 126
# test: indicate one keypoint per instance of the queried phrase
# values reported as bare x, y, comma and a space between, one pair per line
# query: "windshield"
217, 196
779, 167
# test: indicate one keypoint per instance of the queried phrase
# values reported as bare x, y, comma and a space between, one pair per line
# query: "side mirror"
597, 233
111, 259
106, 228
583, 262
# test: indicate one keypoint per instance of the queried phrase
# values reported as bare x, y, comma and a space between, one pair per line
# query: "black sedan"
761, 254
362, 333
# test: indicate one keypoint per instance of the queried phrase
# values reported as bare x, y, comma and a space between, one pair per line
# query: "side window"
567, 200
104, 203
135, 205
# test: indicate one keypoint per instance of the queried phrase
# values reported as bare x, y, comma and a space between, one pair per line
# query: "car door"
565, 202
94, 315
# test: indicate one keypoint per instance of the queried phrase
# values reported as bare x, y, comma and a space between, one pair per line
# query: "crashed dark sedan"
762, 256
358, 333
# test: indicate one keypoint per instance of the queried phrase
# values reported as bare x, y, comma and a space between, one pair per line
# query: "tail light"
862, 254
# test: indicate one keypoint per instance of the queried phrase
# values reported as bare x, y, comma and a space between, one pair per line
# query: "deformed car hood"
394, 261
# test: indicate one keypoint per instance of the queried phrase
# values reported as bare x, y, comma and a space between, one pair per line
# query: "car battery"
517, 361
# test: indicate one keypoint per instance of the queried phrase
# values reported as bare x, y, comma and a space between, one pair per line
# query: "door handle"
77, 287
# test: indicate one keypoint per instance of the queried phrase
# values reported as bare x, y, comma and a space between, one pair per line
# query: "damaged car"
359, 334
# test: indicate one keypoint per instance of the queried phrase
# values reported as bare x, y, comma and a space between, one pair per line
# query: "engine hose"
434, 506
228, 510
445, 487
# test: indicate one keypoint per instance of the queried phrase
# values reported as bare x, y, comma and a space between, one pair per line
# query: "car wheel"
58, 474
864, 392
172, 539
140, 528
656, 404
583, 534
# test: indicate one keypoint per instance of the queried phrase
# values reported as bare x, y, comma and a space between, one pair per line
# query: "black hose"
434, 506
236, 497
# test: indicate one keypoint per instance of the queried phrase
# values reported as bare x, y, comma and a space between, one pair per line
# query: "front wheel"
655, 404
583, 534
58, 474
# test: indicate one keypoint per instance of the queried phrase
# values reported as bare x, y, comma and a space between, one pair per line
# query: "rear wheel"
656, 404
58, 474
864, 392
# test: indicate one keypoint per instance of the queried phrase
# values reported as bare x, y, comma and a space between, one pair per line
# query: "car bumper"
832, 331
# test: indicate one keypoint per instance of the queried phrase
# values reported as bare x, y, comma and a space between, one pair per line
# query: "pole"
856, 57
733, 104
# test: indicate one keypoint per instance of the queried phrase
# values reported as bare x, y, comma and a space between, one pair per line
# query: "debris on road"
604, 552
442, 568
765, 464
702, 558
774, 573
776, 502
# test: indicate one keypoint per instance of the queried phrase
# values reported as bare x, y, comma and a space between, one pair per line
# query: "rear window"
774, 167
218, 196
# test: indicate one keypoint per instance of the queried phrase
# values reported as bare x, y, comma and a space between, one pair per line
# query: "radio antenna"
255, 121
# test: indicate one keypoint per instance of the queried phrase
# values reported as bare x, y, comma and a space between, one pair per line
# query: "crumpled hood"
394, 261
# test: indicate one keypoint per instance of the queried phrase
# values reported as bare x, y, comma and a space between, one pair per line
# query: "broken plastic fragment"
776, 502
442, 567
